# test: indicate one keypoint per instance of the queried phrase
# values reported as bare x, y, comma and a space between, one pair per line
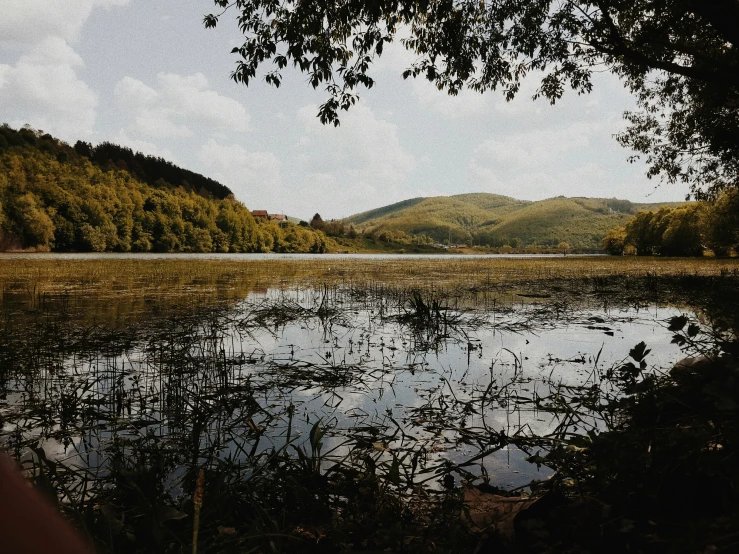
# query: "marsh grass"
175, 276
123, 382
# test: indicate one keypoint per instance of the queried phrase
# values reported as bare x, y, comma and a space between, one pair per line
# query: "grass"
212, 275
581, 222
137, 369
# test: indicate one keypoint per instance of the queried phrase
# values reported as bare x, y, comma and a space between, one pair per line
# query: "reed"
125, 384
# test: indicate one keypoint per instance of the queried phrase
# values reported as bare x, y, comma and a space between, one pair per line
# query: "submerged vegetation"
334, 406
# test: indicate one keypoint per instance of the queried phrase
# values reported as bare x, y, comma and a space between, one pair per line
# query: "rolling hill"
108, 198
496, 220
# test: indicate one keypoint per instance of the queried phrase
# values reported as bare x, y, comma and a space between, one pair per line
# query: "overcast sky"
146, 74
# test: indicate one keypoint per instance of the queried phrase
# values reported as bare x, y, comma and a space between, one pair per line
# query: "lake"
265, 256
137, 371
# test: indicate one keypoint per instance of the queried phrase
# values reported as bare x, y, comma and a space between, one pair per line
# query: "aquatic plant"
121, 389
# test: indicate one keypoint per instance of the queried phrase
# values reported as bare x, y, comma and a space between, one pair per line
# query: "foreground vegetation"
108, 199
133, 372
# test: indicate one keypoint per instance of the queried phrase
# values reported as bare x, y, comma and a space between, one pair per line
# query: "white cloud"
469, 104
32, 21
177, 104
361, 161
363, 150
132, 94
4, 74
537, 148
395, 57
544, 162
43, 89
537, 184
466, 103
254, 177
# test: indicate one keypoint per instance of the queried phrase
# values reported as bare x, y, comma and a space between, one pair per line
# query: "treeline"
53, 198
339, 229
149, 169
444, 235
683, 231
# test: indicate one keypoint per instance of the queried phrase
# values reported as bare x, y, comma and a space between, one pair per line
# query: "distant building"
278, 217
260, 214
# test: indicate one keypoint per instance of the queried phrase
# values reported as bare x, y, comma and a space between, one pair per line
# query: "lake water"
267, 256
407, 378
327, 395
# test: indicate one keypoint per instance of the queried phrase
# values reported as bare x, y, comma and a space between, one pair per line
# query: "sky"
149, 76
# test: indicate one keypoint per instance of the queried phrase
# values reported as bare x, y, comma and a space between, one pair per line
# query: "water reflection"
405, 377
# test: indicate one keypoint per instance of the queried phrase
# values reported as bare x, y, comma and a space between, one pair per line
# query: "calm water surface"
272, 365
268, 256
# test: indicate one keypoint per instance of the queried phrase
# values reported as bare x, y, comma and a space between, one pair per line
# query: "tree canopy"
55, 197
679, 57
685, 230
149, 169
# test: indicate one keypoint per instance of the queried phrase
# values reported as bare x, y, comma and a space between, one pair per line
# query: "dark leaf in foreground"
677, 323
639, 352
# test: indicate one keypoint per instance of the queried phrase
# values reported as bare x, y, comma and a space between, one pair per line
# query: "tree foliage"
722, 227
678, 56
614, 241
149, 169
683, 231
53, 198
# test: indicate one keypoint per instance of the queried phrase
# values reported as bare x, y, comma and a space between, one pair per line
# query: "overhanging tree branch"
723, 15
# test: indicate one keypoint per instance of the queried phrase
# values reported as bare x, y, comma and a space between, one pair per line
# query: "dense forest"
110, 199
688, 230
149, 169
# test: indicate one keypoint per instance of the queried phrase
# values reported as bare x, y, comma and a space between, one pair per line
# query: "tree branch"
723, 15
622, 48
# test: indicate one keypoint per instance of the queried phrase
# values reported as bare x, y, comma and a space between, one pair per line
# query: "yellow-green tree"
52, 197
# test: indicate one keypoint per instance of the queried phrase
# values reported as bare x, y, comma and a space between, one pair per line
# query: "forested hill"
56, 197
149, 169
496, 220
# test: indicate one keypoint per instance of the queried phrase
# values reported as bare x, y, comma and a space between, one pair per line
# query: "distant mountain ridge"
496, 220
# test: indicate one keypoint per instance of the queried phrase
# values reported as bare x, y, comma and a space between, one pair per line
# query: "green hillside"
488, 201
107, 198
385, 210
496, 220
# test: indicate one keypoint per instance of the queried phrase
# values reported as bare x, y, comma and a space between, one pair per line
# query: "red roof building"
260, 214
